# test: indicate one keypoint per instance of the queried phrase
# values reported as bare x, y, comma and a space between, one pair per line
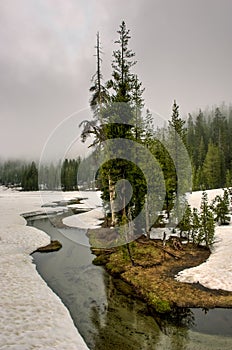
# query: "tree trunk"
130, 255
147, 219
112, 205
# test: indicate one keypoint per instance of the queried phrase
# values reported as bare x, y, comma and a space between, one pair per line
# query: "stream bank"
151, 273
106, 316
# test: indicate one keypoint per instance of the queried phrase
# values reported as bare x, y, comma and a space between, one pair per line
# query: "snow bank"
216, 272
90, 219
31, 315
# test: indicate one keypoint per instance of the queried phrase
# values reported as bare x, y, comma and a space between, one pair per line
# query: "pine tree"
195, 225
30, 178
201, 153
69, 175
212, 168
137, 105
220, 206
116, 110
123, 117
228, 178
218, 129
160, 152
100, 94
181, 181
98, 101
122, 79
207, 225
190, 135
185, 223
211, 127
176, 124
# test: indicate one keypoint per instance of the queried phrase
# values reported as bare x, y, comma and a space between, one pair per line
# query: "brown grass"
152, 276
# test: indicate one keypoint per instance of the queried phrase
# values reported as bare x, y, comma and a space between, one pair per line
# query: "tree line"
208, 138
29, 176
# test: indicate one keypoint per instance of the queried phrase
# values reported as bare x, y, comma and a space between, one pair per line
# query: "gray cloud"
46, 59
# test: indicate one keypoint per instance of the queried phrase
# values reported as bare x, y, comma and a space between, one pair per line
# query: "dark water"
109, 320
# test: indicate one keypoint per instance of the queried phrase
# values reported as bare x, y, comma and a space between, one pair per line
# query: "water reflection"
104, 315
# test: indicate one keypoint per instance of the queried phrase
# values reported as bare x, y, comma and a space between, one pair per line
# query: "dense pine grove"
210, 148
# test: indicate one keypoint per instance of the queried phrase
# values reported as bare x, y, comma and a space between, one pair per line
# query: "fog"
183, 49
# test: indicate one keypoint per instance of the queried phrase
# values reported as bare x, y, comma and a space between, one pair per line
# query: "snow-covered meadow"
31, 315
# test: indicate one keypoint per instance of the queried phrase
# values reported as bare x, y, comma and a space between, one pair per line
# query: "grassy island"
151, 274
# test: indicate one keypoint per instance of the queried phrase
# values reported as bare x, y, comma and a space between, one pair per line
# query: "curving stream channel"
109, 320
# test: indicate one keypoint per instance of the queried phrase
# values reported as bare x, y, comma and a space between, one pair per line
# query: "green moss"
161, 306
146, 253
52, 247
101, 260
114, 269
124, 287
117, 264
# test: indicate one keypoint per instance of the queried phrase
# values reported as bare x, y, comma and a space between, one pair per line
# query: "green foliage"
30, 178
176, 141
185, 225
49, 176
122, 80
212, 167
11, 172
118, 262
195, 225
207, 225
118, 113
176, 124
210, 148
220, 206
159, 151
119, 117
200, 227
69, 174
161, 306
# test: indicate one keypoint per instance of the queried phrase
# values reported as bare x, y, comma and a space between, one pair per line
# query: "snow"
90, 219
158, 233
216, 272
31, 315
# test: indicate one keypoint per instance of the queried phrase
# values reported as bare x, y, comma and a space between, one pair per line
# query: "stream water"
109, 320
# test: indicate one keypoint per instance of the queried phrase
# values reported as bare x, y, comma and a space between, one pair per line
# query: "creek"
106, 317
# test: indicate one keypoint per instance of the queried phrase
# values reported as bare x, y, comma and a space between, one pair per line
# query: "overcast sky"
183, 49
